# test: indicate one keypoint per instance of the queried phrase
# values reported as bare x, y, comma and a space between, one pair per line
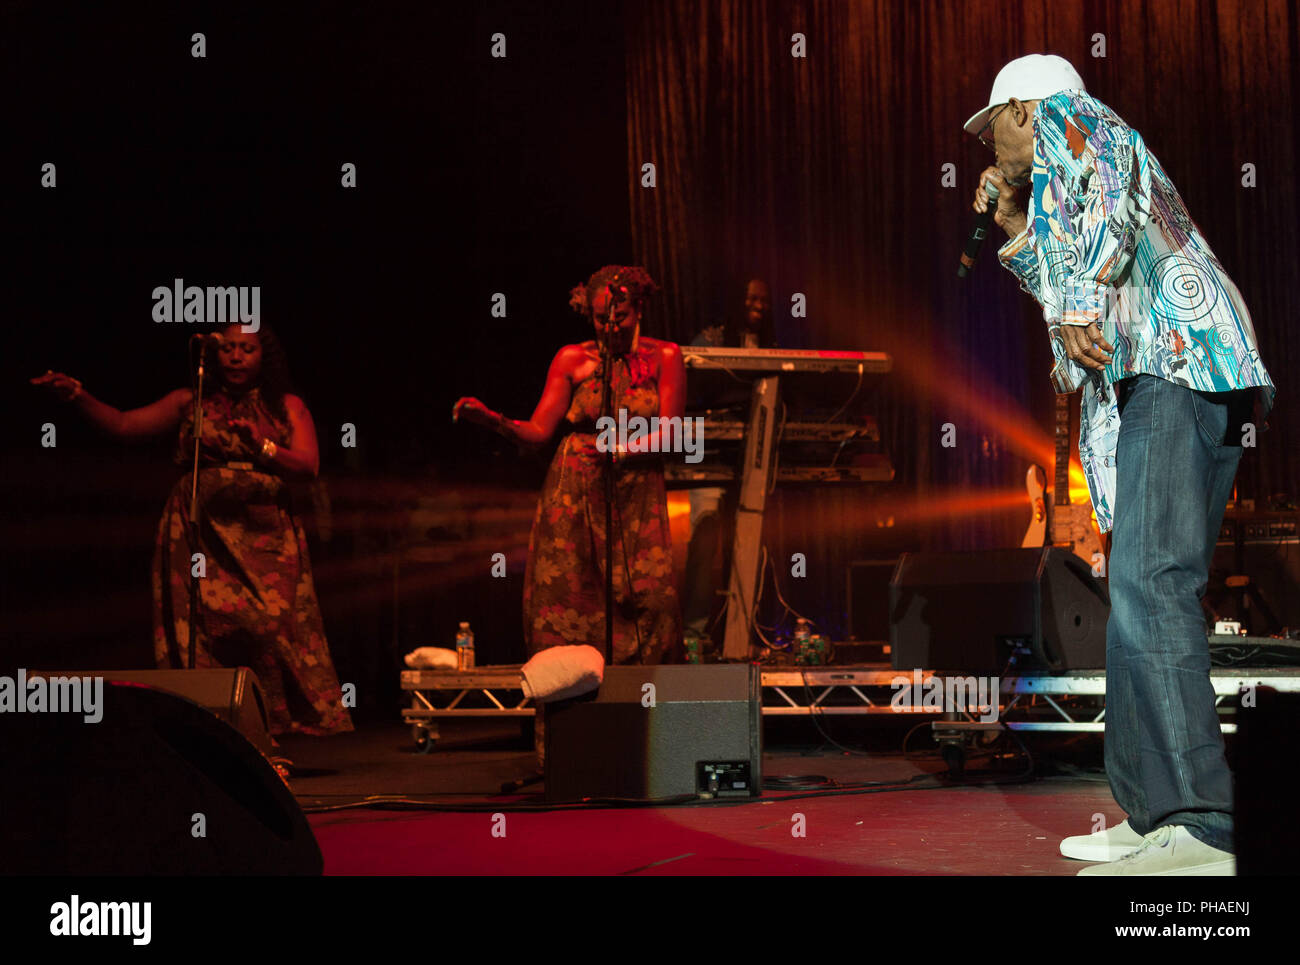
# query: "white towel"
559, 672
432, 658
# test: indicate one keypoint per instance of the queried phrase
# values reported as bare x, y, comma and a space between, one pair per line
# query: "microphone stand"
192, 643
606, 409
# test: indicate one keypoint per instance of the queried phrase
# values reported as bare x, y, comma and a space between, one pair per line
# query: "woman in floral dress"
564, 586
256, 600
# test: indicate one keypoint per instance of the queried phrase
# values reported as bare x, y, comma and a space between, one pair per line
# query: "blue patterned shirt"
1108, 240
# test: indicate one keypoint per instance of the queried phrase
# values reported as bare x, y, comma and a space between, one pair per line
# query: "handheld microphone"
982, 219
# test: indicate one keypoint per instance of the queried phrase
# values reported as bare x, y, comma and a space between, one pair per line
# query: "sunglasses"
985, 131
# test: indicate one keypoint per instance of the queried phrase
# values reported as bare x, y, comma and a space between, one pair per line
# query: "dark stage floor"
996, 823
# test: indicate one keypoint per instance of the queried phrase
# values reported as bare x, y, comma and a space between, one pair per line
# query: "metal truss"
1060, 702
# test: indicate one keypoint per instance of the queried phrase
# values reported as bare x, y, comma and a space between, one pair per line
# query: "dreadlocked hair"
273, 380
640, 286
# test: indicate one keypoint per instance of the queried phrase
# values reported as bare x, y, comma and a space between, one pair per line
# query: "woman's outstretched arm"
149, 420
554, 402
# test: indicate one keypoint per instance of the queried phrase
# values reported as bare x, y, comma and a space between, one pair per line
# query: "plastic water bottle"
802, 641
802, 632
465, 647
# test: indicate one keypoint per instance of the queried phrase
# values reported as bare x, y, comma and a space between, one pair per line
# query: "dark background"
522, 176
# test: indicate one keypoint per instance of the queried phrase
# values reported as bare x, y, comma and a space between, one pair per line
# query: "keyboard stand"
746, 553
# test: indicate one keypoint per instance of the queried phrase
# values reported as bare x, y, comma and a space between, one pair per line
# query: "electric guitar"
1053, 518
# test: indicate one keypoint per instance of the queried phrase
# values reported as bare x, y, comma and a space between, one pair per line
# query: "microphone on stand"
609, 329
607, 409
982, 219
609, 322
208, 342
204, 338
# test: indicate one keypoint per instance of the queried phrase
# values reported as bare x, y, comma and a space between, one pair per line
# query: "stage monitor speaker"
1267, 836
656, 733
868, 597
1272, 563
232, 693
158, 785
971, 612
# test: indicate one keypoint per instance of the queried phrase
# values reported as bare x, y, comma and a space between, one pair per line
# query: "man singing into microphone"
1144, 318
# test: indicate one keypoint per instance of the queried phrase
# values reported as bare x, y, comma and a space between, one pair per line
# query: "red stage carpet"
996, 829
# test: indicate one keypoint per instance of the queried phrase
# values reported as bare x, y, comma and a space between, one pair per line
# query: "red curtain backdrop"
824, 174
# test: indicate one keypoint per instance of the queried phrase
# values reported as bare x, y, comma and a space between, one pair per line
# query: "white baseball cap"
1028, 78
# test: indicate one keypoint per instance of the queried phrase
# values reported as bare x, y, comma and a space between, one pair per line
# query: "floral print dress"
257, 602
564, 584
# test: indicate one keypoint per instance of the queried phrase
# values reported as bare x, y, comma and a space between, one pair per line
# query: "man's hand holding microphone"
1010, 213
1085, 345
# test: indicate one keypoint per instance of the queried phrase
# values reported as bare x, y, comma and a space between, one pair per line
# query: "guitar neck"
1061, 483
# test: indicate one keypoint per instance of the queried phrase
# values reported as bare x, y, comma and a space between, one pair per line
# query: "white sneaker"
1168, 851
1108, 844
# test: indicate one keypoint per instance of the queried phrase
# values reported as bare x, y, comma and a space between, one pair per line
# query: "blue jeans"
1177, 456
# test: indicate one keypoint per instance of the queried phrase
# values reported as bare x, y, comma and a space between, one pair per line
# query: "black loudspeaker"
701, 738
970, 612
1270, 557
868, 596
121, 796
1266, 832
232, 693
